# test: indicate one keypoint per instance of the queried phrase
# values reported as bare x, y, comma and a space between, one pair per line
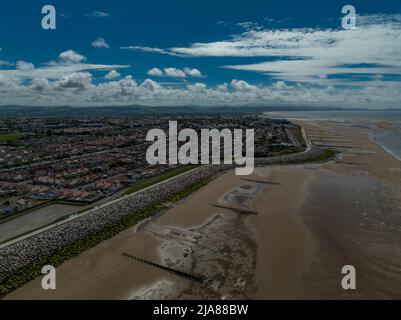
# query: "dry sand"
319, 218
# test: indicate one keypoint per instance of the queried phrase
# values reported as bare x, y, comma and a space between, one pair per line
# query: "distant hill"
137, 110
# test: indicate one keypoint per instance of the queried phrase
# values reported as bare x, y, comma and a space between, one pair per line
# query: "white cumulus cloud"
174, 72
112, 75
192, 72
241, 85
100, 43
25, 66
155, 72
70, 56
76, 80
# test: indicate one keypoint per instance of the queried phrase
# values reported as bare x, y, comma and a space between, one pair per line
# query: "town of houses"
85, 160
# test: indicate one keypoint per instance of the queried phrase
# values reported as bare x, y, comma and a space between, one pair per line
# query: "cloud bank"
303, 66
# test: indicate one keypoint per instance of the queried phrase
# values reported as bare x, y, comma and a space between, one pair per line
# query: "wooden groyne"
235, 209
181, 274
261, 181
352, 163
319, 140
332, 146
321, 135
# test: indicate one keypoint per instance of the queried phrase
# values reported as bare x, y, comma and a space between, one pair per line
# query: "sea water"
389, 138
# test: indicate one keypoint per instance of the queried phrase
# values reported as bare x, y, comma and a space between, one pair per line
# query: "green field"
10, 137
159, 178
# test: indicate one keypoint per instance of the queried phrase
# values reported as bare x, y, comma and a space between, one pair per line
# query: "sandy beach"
311, 220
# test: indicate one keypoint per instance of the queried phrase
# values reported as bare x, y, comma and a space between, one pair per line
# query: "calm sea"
390, 139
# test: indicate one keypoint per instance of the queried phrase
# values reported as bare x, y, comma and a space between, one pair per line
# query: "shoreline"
384, 147
377, 123
291, 249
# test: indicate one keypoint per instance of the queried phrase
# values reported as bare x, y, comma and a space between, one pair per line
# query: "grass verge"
11, 137
325, 155
159, 178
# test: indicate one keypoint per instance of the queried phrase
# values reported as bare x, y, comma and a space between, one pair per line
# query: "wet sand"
284, 244
353, 211
318, 218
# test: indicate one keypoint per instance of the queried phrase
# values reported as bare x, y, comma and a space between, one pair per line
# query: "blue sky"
201, 52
